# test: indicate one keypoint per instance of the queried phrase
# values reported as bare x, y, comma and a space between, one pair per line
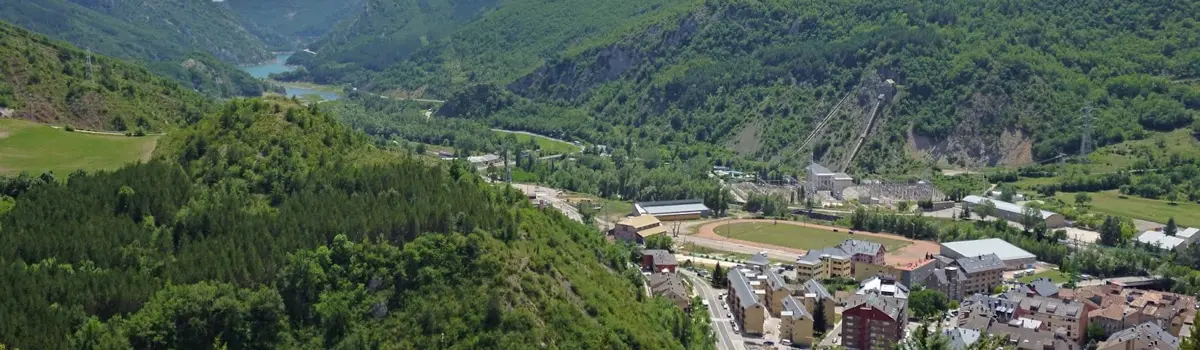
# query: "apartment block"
745, 299
967, 276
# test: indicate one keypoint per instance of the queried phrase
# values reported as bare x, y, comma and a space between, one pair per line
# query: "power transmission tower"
1085, 143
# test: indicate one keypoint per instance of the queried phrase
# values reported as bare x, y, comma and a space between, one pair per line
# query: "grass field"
548, 146
1110, 203
36, 148
1055, 275
798, 237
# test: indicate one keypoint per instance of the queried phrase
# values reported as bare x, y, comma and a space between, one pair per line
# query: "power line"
1085, 144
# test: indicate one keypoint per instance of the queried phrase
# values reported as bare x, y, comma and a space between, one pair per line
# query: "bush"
69, 128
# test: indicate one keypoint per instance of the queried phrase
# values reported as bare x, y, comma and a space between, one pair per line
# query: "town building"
796, 323
876, 315
908, 273
658, 260
688, 209
809, 294
746, 302
759, 261
485, 160
1015, 258
637, 228
1013, 212
1115, 308
821, 179
669, 286
960, 338
1146, 336
1018, 333
1064, 318
840, 260
1041, 287
967, 276
1158, 238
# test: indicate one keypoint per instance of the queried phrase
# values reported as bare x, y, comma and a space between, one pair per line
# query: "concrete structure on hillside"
1160, 239
1015, 258
658, 260
1146, 336
840, 260
688, 209
1115, 308
746, 302
1012, 212
637, 228
875, 317
821, 179
669, 286
967, 276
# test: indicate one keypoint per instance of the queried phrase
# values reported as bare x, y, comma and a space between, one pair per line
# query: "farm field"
1110, 203
798, 237
35, 148
548, 146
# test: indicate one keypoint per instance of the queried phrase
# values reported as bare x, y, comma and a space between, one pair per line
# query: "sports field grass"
1055, 276
548, 146
798, 237
36, 148
1110, 203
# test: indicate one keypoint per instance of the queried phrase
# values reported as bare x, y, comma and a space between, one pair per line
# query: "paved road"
551, 195
726, 339
538, 135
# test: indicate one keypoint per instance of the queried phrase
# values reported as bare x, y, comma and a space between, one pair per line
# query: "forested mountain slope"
284, 24
269, 225
965, 76
49, 81
170, 37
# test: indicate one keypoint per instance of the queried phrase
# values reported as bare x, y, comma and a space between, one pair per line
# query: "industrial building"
821, 179
1013, 257
687, 209
1013, 212
637, 228
1160, 239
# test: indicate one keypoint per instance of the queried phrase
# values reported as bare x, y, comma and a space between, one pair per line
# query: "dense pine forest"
269, 225
52, 82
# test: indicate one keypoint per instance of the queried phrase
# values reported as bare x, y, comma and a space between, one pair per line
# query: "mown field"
1055, 276
548, 146
799, 237
1111, 203
36, 148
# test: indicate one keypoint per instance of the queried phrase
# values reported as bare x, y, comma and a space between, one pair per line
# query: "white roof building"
1013, 212
1013, 256
1163, 241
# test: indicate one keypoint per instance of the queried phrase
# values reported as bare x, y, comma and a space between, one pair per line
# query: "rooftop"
1161, 240
858, 246
1041, 286
671, 207
660, 257
759, 259
1142, 336
884, 286
975, 264
795, 309
1004, 250
1005, 206
812, 286
639, 221
892, 306
741, 288
961, 338
818, 169
814, 256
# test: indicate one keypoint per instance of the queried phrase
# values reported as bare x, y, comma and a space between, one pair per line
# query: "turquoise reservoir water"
278, 65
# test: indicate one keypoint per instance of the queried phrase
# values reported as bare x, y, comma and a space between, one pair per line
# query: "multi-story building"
669, 286
1116, 308
815, 298
821, 179
967, 276
658, 260
746, 302
635, 229
840, 260
1019, 333
875, 317
1146, 336
1068, 318
796, 322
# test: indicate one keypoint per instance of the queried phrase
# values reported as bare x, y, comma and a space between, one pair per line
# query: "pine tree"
1171, 228
718, 276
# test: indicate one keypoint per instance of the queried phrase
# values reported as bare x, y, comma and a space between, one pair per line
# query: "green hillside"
284, 24
170, 38
35, 148
764, 72
269, 225
50, 82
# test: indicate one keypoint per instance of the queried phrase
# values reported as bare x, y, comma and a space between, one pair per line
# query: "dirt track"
909, 254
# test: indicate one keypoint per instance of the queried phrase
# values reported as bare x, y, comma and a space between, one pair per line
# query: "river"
262, 71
